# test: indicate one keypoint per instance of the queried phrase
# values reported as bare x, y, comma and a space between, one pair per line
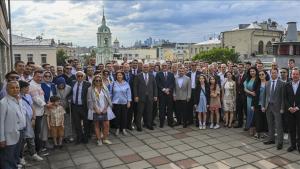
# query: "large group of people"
43, 103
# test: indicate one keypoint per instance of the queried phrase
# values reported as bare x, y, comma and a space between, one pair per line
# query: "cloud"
181, 21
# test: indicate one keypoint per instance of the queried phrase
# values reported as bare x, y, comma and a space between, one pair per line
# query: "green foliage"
61, 56
218, 55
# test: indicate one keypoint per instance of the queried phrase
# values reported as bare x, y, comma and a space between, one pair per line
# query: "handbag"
100, 117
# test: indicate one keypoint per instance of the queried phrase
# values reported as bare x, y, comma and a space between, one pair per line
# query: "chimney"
292, 34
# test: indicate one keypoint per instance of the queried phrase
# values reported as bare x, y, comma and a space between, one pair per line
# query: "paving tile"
158, 145
220, 155
168, 166
189, 140
144, 136
84, 160
130, 158
135, 143
158, 134
111, 162
198, 144
279, 161
249, 158
82, 153
59, 157
94, 165
124, 152
248, 166
62, 164
166, 138
104, 156
149, 154
118, 167
208, 149
292, 166
217, 165
263, 154
199, 167
264, 164
212, 141
139, 165
180, 135
174, 142
222, 146
192, 153
119, 146
291, 156
166, 151
187, 163
160, 160
176, 156
141, 148
99, 150
151, 140
183, 147
233, 162
235, 151
205, 159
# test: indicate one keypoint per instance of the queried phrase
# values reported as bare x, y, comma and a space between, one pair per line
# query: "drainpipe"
10, 37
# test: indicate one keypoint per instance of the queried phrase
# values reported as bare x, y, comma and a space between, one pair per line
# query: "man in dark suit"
145, 92
129, 78
292, 98
165, 83
79, 107
241, 108
274, 106
194, 76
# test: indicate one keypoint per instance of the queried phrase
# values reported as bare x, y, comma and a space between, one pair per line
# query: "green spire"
103, 17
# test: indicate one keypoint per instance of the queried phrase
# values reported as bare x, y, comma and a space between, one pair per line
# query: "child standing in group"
55, 119
215, 102
202, 100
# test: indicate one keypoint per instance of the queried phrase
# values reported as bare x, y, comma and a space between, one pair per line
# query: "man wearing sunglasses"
79, 107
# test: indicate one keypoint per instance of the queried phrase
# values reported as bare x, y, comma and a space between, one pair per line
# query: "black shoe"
130, 128
291, 148
139, 129
150, 128
246, 129
177, 124
269, 142
279, 146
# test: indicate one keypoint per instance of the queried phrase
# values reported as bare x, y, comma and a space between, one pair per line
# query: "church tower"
104, 44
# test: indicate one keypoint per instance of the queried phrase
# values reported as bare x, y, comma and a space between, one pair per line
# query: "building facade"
38, 50
204, 46
149, 54
4, 42
253, 39
104, 43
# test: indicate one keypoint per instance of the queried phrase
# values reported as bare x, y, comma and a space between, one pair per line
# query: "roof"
256, 25
209, 42
23, 41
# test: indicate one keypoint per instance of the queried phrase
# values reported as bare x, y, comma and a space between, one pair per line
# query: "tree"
61, 56
218, 55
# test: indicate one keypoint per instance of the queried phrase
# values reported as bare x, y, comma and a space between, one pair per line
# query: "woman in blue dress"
249, 86
201, 100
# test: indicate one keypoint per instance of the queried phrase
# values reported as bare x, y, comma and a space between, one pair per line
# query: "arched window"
260, 47
269, 48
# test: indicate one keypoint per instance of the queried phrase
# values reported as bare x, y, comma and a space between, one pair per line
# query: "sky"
130, 20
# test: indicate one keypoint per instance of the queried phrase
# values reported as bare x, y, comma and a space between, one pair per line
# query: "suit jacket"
141, 89
85, 86
278, 96
240, 84
197, 94
165, 83
9, 131
291, 99
189, 74
183, 92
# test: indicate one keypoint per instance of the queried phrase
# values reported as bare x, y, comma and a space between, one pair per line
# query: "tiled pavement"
172, 148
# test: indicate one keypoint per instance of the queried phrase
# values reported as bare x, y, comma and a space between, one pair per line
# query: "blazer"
9, 131
140, 89
278, 96
85, 86
197, 94
163, 83
189, 74
291, 99
240, 85
92, 100
183, 92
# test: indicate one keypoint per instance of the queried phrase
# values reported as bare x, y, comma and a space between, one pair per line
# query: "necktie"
166, 76
77, 92
146, 78
272, 91
127, 77
241, 76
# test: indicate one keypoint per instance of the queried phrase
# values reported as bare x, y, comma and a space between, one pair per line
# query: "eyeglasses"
47, 76
79, 76
283, 72
68, 68
97, 81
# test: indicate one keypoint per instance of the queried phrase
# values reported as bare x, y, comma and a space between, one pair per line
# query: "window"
30, 57
17, 57
260, 47
43, 58
269, 48
196, 50
136, 55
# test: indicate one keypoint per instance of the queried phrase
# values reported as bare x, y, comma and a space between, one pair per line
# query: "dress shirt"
295, 86
180, 81
193, 80
37, 94
120, 93
146, 77
222, 77
79, 93
90, 79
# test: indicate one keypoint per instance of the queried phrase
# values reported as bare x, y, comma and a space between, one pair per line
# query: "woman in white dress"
229, 101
